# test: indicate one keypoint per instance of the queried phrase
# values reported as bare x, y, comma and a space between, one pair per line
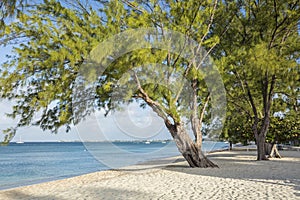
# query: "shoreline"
64, 177
239, 176
57, 178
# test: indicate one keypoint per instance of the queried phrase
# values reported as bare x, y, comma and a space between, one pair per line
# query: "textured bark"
261, 152
189, 149
260, 133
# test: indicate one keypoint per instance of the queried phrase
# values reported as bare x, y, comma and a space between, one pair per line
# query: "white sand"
239, 177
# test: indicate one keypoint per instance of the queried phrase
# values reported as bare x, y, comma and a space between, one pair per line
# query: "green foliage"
284, 129
251, 42
53, 45
237, 128
9, 8
41, 74
261, 47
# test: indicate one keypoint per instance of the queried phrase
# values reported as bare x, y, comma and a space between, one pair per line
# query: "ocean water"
35, 162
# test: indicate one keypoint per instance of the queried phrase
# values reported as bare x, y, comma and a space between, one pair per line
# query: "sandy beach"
240, 176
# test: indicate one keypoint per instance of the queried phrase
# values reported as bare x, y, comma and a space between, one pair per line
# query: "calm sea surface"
35, 162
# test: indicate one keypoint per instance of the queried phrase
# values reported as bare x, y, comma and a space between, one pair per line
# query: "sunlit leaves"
53, 45
258, 47
40, 77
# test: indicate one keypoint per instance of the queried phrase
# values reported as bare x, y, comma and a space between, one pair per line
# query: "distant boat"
147, 142
20, 141
164, 142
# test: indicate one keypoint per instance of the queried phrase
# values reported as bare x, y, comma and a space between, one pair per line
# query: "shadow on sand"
87, 193
235, 165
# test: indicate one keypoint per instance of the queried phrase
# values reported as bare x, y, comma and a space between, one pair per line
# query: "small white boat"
164, 142
147, 142
20, 140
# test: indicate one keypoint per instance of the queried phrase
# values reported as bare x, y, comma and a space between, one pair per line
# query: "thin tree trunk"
267, 93
189, 149
275, 151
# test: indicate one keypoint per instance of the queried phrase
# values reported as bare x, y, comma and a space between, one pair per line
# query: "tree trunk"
260, 142
189, 149
268, 148
230, 145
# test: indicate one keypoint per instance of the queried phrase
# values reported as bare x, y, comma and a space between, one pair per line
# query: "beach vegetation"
260, 58
254, 44
53, 42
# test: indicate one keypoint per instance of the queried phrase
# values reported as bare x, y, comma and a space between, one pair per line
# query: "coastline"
240, 176
54, 161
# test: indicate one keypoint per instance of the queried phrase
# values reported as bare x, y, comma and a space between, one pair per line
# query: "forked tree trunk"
188, 148
267, 94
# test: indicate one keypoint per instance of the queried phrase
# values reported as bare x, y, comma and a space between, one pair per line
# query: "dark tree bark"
267, 93
268, 148
260, 137
260, 133
230, 145
188, 148
260, 142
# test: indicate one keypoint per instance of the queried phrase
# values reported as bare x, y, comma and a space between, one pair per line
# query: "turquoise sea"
35, 162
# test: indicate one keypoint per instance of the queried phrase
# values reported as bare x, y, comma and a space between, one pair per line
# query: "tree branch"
210, 23
157, 108
204, 107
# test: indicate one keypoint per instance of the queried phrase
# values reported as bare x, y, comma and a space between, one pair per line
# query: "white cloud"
142, 124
